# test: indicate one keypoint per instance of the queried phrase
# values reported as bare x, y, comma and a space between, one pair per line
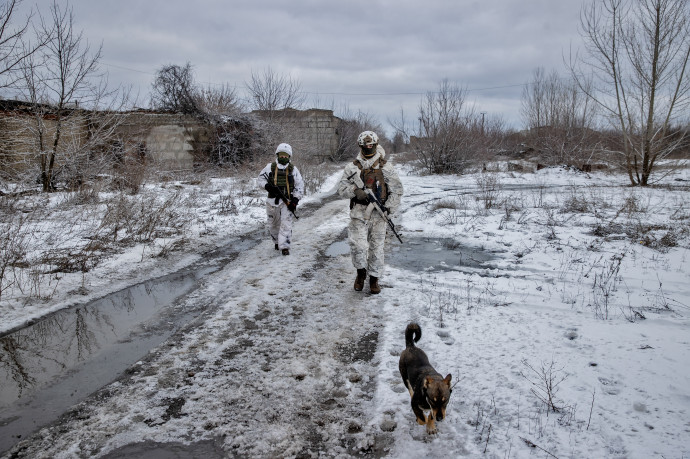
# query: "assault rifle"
279, 193
374, 202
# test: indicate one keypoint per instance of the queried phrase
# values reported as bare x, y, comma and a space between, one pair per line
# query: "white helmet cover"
284, 147
367, 138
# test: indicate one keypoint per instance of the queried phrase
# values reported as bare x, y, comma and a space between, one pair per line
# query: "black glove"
271, 188
293, 204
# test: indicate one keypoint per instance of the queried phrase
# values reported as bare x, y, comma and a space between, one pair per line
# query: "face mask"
283, 161
368, 152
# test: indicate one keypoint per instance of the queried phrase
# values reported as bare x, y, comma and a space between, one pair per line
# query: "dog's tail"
413, 333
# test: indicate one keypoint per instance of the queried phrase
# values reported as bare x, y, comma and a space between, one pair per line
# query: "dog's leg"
430, 425
409, 388
419, 414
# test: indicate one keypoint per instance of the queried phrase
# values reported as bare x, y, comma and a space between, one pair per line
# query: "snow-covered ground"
561, 312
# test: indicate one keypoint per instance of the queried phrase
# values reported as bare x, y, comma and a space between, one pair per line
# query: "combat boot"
361, 277
374, 285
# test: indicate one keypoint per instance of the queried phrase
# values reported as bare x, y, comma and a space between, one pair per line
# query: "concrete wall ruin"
170, 140
313, 131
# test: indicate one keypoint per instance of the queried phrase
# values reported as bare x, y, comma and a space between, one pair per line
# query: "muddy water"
53, 364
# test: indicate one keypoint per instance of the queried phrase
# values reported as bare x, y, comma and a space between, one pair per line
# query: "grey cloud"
381, 47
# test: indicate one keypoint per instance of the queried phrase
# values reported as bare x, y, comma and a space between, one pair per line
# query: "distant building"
171, 140
314, 130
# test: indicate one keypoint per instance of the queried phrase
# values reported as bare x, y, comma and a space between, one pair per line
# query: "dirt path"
282, 364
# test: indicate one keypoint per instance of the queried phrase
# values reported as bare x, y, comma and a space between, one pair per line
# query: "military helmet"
367, 139
284, 148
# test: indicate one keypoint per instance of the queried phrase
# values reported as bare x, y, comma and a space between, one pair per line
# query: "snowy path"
289, 361
283, 362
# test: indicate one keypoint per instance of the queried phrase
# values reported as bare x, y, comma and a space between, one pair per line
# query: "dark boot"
286, 251
374, 285
361, 277
276, 246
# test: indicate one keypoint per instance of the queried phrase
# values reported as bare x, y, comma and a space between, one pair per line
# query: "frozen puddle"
442, 254
427, 254
338, 248
56, 362
151, 450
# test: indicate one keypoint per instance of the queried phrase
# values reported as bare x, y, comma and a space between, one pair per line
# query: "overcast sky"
375, 56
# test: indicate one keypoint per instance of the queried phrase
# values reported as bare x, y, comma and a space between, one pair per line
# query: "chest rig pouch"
372, 179
283, 179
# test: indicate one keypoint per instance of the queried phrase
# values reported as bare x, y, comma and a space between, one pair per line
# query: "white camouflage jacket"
346, 188
297, 191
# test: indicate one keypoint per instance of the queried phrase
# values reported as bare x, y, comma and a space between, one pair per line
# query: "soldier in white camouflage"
285, 186
367, 229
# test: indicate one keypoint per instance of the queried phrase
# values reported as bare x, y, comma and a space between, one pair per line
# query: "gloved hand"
271, 188
360, 194
293, 204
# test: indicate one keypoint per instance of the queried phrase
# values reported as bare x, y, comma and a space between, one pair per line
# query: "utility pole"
483, 113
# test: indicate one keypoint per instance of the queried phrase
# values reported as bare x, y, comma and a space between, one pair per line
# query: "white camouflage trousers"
367, 238
279, 224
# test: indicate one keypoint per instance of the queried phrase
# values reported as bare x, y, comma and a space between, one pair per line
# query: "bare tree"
559, 117
638, 52
174, 89
218, 101
449, 134
64, 87
270, 92
13, 47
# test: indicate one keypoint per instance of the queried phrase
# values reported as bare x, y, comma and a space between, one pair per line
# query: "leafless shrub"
39, 284
510, 206
82, 197
545, 381
226, 204
605, 284
142, 219
165, 248
575, 203
452, 210
658, 237
81, 259
440, 302
451, 135
489, 190
236, 139
560, 118
631, 206
14, 245
271, 91
130, 175
314, 175
174, 89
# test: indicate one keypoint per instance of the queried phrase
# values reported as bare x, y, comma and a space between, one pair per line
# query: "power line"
353, 94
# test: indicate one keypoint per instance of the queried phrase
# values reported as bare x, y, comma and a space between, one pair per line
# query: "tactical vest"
373, 179
283, 179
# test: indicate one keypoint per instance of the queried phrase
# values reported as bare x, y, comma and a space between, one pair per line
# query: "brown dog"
428, 389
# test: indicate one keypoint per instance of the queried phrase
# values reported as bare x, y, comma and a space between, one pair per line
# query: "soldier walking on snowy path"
284, 184
367, 229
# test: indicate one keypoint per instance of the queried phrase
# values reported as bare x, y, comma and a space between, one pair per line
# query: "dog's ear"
447, 380
428, 381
